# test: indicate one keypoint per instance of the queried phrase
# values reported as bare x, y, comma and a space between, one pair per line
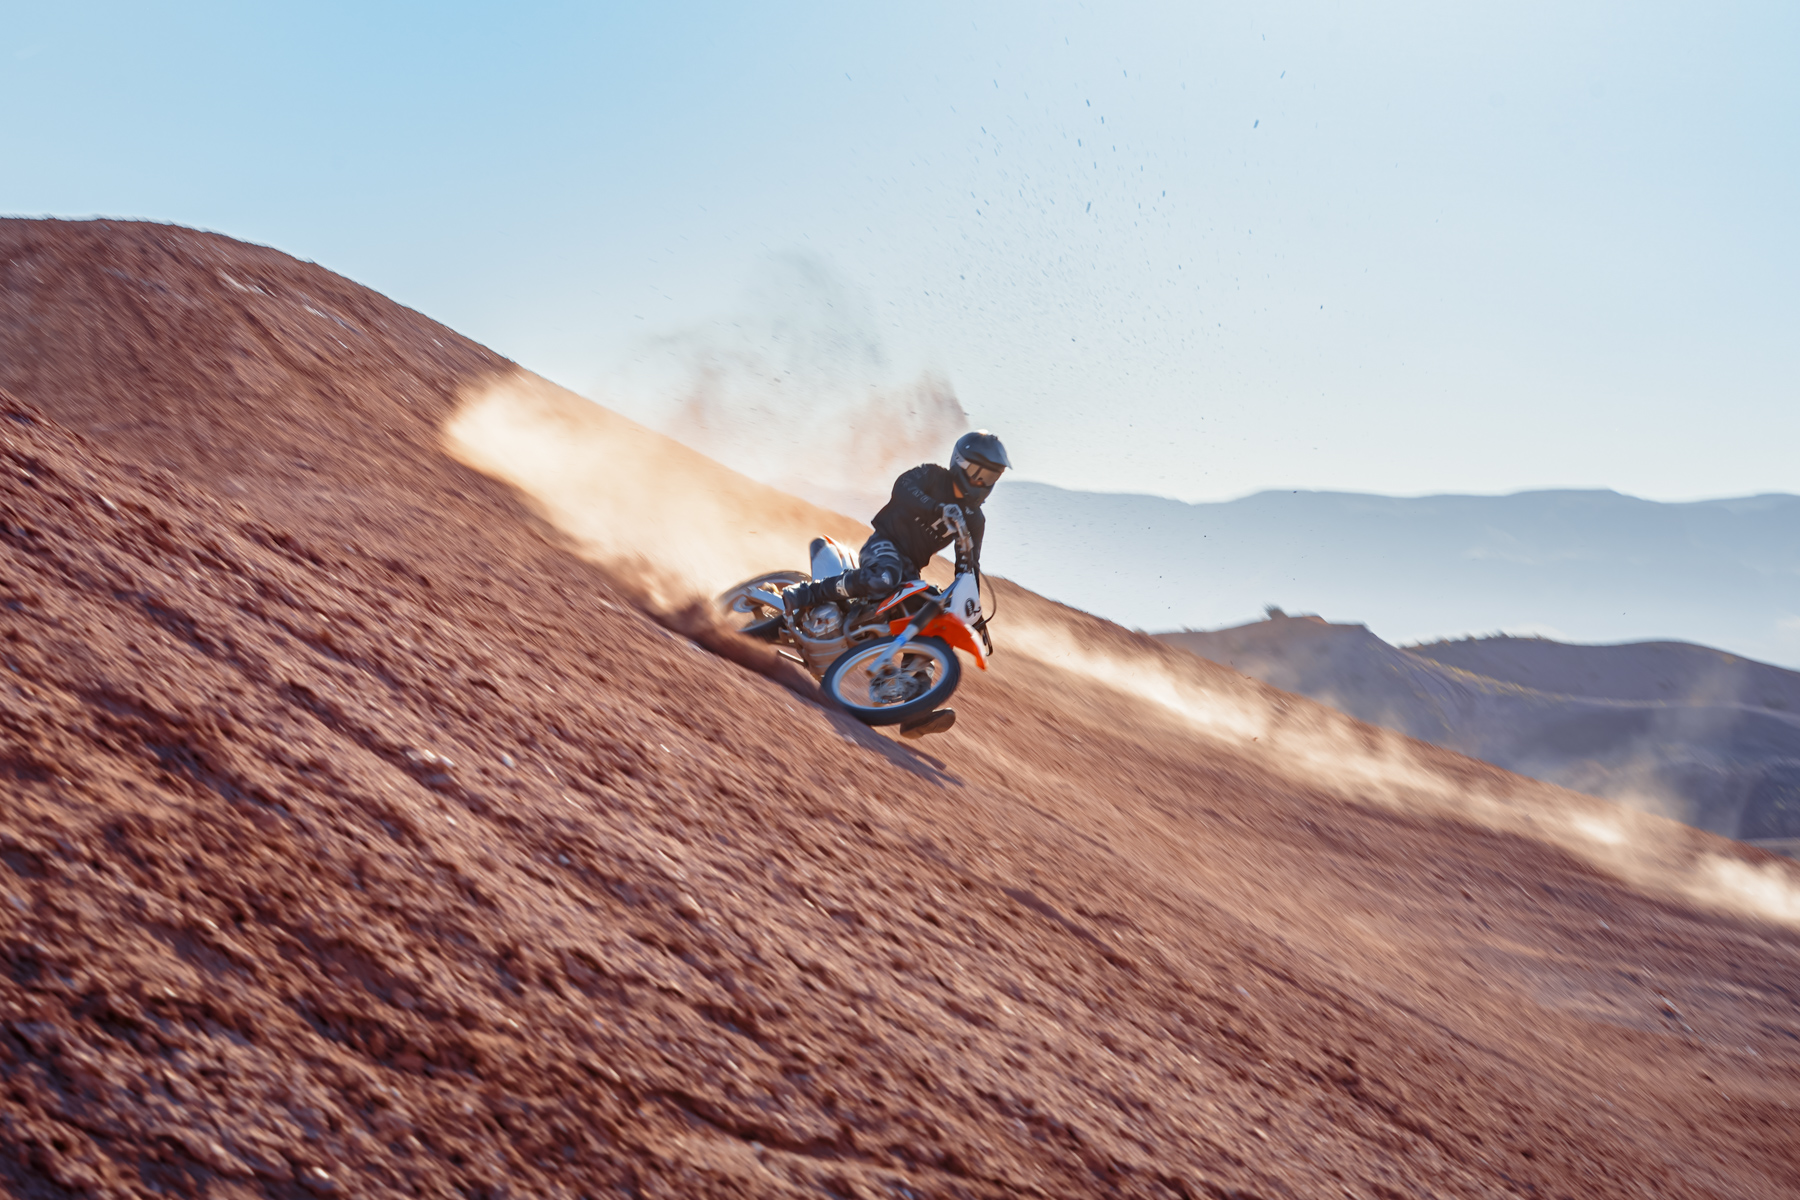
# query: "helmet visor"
982, 475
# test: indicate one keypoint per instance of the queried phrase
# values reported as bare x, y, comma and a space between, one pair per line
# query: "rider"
911, 528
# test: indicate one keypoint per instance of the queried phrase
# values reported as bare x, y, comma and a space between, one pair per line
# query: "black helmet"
977, 462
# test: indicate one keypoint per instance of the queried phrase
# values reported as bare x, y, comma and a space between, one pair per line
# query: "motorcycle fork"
911, 631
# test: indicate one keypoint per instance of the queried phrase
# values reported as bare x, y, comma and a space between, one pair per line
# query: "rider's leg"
882, 572
883, 569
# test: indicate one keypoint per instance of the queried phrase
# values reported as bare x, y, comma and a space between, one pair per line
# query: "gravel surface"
360, 838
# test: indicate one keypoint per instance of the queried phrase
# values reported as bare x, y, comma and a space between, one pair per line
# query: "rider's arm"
977, 523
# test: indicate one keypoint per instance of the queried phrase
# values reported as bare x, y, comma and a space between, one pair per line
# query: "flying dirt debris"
363, 836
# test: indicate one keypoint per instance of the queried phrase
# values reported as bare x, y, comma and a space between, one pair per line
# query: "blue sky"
1189, 249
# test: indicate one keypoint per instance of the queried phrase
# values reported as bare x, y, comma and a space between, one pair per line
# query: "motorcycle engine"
823, 621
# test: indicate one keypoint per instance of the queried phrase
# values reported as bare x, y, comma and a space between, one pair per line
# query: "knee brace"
881, 577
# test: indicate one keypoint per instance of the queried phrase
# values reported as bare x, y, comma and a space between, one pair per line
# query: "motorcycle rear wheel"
742, 607
922, 676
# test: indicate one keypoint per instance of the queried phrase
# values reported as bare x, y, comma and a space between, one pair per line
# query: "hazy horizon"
1499, 495
1590, 567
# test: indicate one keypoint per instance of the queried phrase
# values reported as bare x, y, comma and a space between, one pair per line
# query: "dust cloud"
842, 454
797, 390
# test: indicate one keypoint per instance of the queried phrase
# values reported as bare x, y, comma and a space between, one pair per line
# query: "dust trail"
1324, 749
674, 527
1298, 738
1767, 889
680, 523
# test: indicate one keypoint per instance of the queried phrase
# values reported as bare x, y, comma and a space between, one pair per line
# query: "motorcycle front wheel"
920, 678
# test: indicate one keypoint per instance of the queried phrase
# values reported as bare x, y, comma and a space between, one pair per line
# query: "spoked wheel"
745, 603
918, 679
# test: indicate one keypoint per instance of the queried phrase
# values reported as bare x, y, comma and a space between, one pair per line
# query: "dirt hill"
363, 837
1658, 672
1692, 732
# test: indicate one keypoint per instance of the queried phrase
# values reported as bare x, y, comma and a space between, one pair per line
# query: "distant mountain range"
1587, 566
1701, 735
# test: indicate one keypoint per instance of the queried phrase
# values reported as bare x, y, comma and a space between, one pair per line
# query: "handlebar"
959, 529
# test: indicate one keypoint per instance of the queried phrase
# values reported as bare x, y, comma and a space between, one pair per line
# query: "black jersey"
913, 518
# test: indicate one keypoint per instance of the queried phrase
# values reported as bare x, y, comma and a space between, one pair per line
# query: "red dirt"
360, 839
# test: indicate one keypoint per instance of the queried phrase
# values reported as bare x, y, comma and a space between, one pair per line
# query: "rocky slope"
362, 837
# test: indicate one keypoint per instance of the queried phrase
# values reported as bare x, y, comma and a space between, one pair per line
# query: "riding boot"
928, 723
802, 596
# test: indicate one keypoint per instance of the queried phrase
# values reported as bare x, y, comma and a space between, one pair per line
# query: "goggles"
980, 474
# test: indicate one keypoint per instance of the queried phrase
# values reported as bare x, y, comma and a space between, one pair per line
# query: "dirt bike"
883, 660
